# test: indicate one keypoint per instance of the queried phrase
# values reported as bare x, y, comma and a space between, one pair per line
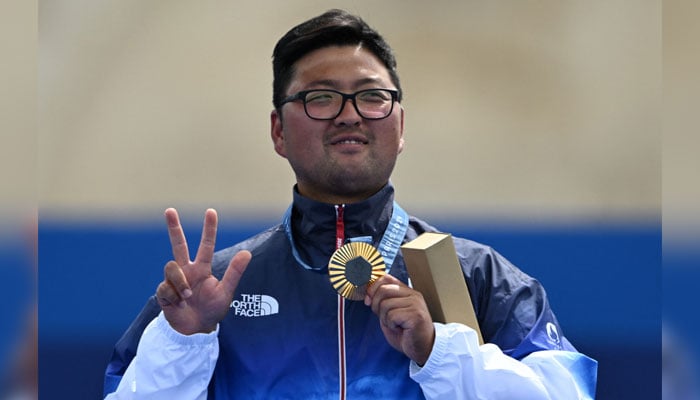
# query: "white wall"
518, 109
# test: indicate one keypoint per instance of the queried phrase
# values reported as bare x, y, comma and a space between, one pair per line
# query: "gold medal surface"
353, 267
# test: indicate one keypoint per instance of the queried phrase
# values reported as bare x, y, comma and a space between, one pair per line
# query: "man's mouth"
347, 139
350, 141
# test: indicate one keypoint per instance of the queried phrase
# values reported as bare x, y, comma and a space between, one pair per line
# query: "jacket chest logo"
254, 305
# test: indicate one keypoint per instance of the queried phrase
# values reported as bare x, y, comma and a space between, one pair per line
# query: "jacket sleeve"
526, 355
169, 365
458, 368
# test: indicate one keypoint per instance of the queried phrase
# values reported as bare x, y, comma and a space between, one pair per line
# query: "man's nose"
348, 114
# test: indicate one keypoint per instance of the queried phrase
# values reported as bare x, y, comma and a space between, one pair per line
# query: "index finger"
177, 237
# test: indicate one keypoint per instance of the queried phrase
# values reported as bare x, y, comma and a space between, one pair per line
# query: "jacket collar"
314, 223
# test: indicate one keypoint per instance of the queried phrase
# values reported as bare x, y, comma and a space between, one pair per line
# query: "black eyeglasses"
324, 104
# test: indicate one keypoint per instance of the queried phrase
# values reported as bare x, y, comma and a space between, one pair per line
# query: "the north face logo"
255, 305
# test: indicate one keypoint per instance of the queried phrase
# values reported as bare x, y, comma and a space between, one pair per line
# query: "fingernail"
187, 293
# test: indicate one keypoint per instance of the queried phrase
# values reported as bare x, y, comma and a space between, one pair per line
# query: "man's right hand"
192, 299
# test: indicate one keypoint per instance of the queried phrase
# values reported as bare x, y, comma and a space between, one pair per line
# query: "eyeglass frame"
345, 97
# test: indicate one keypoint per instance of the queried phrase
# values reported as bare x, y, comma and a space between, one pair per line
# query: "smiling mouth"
350, 141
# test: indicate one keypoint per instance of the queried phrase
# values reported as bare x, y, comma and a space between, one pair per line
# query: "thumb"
235, 270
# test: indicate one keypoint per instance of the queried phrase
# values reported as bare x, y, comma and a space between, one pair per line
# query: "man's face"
346, 159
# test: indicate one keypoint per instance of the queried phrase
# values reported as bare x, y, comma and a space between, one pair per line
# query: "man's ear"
277, 133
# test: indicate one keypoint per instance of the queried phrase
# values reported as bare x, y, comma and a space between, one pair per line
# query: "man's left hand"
403, 316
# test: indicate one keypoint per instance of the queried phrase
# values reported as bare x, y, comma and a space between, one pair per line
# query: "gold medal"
353, 267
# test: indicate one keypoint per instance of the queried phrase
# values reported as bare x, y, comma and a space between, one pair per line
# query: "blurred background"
681, 200
534, 127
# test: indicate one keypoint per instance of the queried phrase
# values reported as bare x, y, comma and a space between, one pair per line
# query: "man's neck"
336, 198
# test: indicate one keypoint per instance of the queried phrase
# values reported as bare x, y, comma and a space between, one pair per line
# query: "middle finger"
177, 237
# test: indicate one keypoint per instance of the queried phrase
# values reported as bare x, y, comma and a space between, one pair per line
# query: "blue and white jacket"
288, 335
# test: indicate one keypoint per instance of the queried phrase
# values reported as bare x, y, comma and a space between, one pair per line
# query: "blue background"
603, 280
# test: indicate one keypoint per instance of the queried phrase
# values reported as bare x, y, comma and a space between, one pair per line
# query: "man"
261, 320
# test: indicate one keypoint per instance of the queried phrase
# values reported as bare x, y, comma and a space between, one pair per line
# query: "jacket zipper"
339, 241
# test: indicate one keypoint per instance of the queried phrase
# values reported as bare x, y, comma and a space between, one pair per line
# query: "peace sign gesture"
192, 299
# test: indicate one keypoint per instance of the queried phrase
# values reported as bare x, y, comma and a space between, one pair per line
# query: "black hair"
332, 28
